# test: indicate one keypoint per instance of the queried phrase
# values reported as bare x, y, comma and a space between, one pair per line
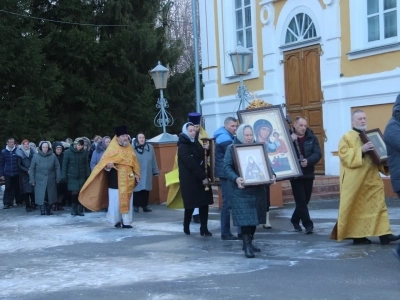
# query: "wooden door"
303, 91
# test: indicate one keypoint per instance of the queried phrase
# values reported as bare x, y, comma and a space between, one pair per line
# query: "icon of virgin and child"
275, 146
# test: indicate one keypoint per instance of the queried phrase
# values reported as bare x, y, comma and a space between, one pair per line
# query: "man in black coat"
309, 153
9, 172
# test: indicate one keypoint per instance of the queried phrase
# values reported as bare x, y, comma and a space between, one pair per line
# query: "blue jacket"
223, 138
9, 162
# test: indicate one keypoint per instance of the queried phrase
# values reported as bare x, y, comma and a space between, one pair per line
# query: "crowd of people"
116, 174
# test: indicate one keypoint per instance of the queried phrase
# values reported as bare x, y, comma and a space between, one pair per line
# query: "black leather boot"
254, 248
48, 209
42, 210
387, 238
74, 209
186, 221
203, 213
248, 251
80, 211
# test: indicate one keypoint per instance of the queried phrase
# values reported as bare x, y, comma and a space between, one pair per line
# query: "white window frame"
360, 47
228, 43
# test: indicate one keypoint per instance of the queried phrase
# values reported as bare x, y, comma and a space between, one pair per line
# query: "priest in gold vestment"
362, 207
112, 181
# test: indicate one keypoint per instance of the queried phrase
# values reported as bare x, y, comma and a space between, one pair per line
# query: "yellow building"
317, 58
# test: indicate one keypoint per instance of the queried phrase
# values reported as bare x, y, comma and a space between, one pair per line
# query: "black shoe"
136, 208
186, 230
126, 226
205, 233
361, 241
196, 219
147, 209
118, 225
297, 227
387, 238
228, 237
309, 230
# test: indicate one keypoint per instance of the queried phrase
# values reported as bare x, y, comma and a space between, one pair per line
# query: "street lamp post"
240, 59
160, 76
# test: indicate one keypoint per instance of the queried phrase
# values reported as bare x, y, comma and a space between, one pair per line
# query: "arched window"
300, 28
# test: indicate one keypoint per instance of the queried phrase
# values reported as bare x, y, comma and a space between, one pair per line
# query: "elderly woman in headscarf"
249, 205
44, 173
75, 171
99, 151
148, 168
193, 178
25, 154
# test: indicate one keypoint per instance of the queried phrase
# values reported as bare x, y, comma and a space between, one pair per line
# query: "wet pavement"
66, 257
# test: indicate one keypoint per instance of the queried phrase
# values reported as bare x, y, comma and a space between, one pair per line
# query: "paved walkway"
65, 257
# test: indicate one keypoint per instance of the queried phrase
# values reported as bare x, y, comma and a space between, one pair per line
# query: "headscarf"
262, 123
186, 132
138, 147
101, 146
240, 132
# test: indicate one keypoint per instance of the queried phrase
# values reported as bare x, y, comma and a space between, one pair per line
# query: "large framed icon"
270, 128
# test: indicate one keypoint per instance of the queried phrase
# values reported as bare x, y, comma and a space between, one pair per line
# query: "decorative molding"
328, 2
356, 54
301, 44
269, 9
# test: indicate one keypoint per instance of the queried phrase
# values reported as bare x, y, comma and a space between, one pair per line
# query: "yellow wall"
255, 84
366, 65
377, 115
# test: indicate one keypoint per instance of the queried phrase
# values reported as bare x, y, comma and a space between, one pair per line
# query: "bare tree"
179, 26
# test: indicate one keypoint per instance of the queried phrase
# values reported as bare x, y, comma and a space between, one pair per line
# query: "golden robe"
94, 193
362, 207
174, 199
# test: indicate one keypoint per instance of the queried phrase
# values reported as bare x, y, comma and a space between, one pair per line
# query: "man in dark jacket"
310, 153
9, 172
223, 138
391, 137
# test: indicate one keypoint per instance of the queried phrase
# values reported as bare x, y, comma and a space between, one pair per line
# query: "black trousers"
302, 189
203, 213
141, 198
248, 230
12, 190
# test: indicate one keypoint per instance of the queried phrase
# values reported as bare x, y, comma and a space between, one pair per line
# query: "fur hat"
121, 130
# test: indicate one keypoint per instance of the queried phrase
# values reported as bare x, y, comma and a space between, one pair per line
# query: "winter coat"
24, 163
249, 205
192, 173
312, 152
62, 185
148, 166
223, 138
9, 162
391, 138
44, 173
97, 153
75, 169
